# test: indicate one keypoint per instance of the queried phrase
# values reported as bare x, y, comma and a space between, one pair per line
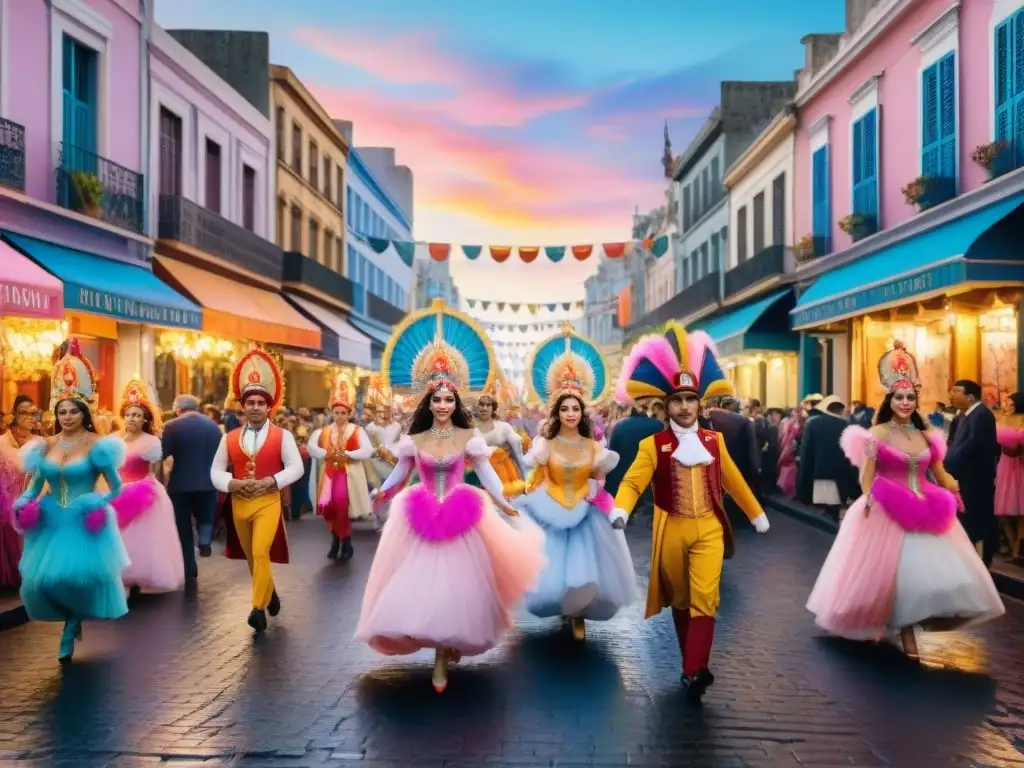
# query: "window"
81, 95
339, 185
779, 210
170, 153
350, 264
282, 213
213, 169
758, 223
328, 248
327, 177
686, 208
314, 238
716, 177
314, 166
706, 183
696, 200
296, 148
865, 167
348, 205
938, 129
716, 254
339, 264
1009, 88
741, 235
249, 198
296, 229
821, 202
707, 266
279, 127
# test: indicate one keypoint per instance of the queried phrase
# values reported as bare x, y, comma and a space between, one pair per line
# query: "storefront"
951, 294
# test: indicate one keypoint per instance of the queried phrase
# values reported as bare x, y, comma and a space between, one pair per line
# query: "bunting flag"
533, 309
548, 326
406, 249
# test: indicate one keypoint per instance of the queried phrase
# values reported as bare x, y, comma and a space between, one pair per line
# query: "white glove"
760, 523
618, 518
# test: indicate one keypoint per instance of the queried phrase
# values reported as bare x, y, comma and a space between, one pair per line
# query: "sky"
534, 122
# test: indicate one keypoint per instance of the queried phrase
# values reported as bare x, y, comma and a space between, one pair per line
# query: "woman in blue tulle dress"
73, 556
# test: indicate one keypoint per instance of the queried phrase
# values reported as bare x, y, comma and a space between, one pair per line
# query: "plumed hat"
675, 361
257, 374
567, 364
73, 378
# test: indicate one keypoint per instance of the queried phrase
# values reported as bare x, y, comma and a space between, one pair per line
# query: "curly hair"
554, 424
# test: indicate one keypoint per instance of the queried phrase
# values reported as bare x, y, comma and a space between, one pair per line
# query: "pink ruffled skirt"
151, 539
453, 581
1010, 486
878, 578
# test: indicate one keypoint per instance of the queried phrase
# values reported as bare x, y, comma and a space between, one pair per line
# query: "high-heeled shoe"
72, 632
909, 640
579, 629
439, 678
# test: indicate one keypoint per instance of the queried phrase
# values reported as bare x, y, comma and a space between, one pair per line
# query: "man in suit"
971, 459
625, 441
741, 442
191, 441
825, 477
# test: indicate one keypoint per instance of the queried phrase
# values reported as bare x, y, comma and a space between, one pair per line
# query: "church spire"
666, 158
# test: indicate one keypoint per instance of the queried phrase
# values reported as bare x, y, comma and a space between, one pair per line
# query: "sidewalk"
1008, 578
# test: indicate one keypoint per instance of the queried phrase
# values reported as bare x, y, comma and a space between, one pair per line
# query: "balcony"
100, 188
192, 225
383, 311
688, 301
315, 276
12, 155
769, 263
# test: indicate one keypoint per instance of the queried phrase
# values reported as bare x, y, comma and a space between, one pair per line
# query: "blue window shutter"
865, 164
1004, 81
946, 113
858, 153
820, 201
1018, 88
930, 121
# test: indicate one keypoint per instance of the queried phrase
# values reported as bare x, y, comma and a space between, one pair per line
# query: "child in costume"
689, 468
449, 570
342, 494
590, 571
152, 541
901, 558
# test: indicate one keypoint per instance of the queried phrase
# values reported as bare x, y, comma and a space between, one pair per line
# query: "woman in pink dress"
1010, 474
901, 558
449, 570
22, 429
151, 538
789, 437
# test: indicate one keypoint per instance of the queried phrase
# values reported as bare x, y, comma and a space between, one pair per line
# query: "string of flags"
407, 249
501, 306
524, 327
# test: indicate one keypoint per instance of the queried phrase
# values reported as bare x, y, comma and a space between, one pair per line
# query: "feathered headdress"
438, 347
257, 374
378, 393
897, 369
568, 364
73, 378
136, 394
676, 361
341, 394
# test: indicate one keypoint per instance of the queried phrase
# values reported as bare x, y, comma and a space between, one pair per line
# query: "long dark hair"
884, 415
423, 419
147, 417
554, 423
87, 424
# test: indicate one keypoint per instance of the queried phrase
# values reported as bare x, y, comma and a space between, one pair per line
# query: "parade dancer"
254, 463
342, 494
507, 459
73, 559
449, 569
157, 563
901, 558
589, 574
688, 467
384, 433
21, 430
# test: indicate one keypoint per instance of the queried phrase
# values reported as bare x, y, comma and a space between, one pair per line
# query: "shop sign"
20, 300
110, 304
892, 291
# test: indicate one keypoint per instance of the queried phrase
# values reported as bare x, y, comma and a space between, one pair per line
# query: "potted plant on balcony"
88, 189
991, 157
804, 249
857, 226
920, 192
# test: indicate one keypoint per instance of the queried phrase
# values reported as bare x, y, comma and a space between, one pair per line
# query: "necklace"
445, 433
908, 427
68, 445
576, 444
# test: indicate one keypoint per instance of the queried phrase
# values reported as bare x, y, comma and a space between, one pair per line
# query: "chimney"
345, 126
819, 50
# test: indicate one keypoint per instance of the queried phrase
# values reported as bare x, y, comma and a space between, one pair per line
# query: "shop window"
865, 168
821, 197
1009, 90
249, 198
213, 176
170, 153
938, 126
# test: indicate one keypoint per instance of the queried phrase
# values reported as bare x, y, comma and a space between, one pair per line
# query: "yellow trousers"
692, 551
256, 523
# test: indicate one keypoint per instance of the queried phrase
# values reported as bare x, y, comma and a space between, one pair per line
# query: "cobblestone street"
181, 681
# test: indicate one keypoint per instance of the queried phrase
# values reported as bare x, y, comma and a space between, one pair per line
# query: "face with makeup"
442, 405
904, 403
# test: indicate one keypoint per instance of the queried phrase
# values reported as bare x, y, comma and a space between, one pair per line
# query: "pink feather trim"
134, 500
28, 517
447, 519
604, 501
935, 513
96, 520
697, 345
854, 443
937, 441
658, 351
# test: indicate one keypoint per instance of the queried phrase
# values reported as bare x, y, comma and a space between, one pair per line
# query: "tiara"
897, 369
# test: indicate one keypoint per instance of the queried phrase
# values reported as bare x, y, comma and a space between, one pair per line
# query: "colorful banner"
533, 309
406, 250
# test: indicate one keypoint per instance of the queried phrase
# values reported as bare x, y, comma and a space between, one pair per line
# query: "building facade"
432, 280
908, 186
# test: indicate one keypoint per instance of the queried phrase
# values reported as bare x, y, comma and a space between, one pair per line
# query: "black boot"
697, 684
346, 549
257, 620
332, 554
274, 607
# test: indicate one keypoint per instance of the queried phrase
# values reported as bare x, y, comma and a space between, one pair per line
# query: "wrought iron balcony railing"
12, 155
313, 274
191, 224
383, 311
773, 261
95, 186
688, 301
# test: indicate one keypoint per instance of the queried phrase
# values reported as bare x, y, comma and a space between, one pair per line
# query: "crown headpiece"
73, 378
257, 374
897, 369
675, 361
137, 394
341, 394
568, 364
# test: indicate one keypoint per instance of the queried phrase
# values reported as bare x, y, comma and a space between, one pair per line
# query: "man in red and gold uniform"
688, 468
254, 463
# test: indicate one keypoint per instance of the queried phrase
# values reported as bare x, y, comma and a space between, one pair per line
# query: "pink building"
903, 230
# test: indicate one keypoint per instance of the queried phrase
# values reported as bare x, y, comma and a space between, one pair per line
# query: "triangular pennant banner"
501, 306
500, 253
378, 244
406, 251
439, 251
485, 305
472, 251
660, 247
582, 252
555, 252
532, 308
566, 305
551, 307
528, 253
614, 250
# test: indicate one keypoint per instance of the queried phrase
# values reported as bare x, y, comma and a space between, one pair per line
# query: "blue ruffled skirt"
68, 572
590, 571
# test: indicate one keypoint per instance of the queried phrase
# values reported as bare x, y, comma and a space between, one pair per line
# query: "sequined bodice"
78, 477
904, 469
440, 475
567, 476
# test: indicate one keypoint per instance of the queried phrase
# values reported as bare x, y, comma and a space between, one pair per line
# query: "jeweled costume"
342, 494
449, 569
255, 528
590, 571
688, 469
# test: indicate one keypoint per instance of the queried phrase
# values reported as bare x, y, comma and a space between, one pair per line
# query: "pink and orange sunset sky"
525, 123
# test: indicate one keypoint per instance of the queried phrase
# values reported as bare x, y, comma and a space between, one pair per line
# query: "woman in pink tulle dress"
789, 441
151, 539
901, 558
449, 570
1010, 474
24, 424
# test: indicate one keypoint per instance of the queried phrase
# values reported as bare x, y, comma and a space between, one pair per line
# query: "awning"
376, 335
237, 311
751, 328
916, 268
110, 288
350, 345
26, 289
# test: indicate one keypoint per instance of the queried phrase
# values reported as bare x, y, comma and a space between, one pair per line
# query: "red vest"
352, 444
664, 481
268, 458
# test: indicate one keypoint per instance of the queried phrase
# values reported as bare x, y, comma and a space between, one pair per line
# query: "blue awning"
368, 328
741, 331
915, 268
111, 288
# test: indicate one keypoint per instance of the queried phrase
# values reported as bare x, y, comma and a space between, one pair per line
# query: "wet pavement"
182, 682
